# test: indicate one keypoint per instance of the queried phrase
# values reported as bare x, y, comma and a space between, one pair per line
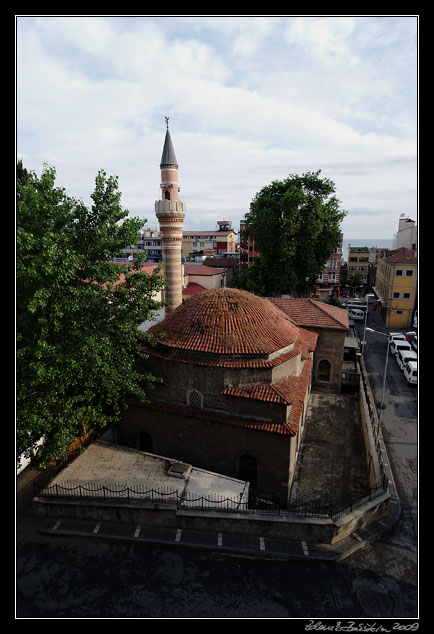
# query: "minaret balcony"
170, 208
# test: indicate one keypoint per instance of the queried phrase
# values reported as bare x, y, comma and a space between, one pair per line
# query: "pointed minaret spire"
170, 213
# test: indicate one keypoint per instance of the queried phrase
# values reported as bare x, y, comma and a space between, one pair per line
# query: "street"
73, 577
399, 423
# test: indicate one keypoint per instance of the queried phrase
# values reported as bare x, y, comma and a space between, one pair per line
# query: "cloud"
250, 100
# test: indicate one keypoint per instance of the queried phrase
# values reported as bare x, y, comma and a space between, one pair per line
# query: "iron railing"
133, 495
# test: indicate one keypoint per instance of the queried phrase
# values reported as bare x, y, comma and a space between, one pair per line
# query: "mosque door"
248, 470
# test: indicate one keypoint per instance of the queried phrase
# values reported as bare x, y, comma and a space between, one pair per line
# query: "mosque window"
324, 370
195, 399
167, 195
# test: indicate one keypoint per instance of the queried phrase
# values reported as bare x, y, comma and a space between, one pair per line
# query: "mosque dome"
227, 321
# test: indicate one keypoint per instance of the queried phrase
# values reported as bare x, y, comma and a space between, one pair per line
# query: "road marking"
137, 531
219, 539
261, 543
56, 525
178, 535
358, 537
305, 549
96, 529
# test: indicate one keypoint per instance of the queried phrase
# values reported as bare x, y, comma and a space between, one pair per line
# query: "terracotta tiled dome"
227, 321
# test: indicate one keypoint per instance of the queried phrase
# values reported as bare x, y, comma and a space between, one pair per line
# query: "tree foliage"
296, 226
78, 314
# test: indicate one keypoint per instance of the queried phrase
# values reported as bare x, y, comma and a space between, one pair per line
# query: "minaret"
170, 213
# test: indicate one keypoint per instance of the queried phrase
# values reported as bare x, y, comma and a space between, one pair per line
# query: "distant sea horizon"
380, 243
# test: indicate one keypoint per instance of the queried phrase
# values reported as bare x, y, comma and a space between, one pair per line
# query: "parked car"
399, 344
403, 356
397, 335
356, 314
410, 372
413, 343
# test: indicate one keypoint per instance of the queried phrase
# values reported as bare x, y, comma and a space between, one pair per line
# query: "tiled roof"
223, 262
286, 391
401, 256
147, 267
313, 313
192, 288
227, 321
201, 269
287, 429
290, 391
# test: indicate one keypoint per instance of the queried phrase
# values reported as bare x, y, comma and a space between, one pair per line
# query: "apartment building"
329, 281
220, 240
396, 287
358, 262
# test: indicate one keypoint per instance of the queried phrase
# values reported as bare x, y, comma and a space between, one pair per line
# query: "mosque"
236, 372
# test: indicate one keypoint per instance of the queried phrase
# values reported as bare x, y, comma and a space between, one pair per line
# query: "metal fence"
163, 495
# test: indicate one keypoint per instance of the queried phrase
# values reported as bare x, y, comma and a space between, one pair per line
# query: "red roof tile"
286, 429
227, 321
192, 288
401, 256
201, 269
313, 313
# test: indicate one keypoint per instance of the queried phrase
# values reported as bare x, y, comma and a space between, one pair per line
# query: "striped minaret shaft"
170, 213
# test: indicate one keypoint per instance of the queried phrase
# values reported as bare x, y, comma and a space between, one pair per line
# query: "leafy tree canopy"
78, 314
296, 226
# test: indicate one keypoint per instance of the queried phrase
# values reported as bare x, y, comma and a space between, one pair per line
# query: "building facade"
358, 262
396, 287
219, 241
407, 234
247, 246
328, 284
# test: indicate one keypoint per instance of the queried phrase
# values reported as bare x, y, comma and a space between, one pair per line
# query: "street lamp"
385, 369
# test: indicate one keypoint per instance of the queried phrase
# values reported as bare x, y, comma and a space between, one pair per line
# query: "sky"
250, 100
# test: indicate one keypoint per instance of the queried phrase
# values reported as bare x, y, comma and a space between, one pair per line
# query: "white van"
357, 304
410, 372
355, 313
399, 344
404, 356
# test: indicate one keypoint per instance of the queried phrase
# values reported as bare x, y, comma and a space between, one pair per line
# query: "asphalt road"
73, 577
399, 424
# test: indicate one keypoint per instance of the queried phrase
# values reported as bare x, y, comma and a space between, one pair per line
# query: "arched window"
248, 470
145, 442
167, 195
195, 399
324, 370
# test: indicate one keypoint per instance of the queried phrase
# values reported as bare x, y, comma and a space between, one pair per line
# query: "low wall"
312, 529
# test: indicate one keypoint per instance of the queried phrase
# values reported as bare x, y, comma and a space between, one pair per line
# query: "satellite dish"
402, 215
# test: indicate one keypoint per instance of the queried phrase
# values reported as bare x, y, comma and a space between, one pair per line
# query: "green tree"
296, 225
78, 314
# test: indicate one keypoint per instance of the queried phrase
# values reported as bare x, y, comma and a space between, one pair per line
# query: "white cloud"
250, 100
325, 37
